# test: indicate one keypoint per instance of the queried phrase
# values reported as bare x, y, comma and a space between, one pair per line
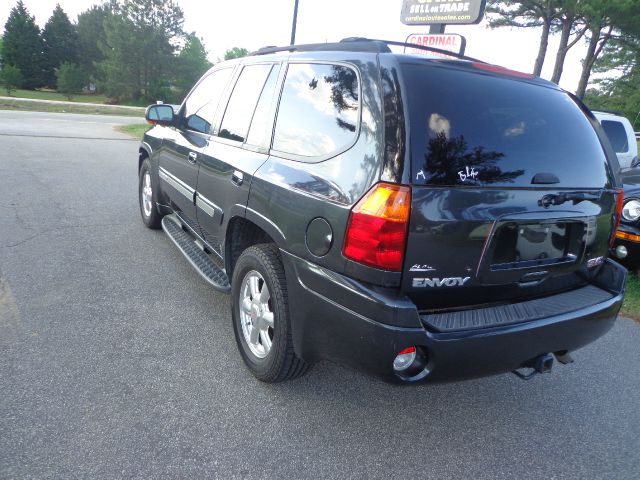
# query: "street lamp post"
293, 26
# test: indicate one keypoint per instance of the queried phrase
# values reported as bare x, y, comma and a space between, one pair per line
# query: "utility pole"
295, 21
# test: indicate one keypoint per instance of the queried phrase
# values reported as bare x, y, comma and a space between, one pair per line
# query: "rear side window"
242, 103
319, 110
474, 129
617, 135
262, 122
201, 105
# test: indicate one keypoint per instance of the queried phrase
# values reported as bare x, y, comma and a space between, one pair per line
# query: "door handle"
237, 177
192, 157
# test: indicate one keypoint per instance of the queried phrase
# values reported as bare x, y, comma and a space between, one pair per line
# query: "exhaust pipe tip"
540, 364
410, 364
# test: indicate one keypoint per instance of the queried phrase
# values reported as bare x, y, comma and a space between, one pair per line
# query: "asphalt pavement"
118, 361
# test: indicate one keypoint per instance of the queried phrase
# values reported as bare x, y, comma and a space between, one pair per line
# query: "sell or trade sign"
429, 12
451, 42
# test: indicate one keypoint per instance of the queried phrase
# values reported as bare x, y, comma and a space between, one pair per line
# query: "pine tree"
527, 14
91, 35
22, 46
60, 41
10, 78
142, 37
71, 79
236, 52
192, 63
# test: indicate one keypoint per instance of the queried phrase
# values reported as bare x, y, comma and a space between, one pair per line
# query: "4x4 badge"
440, 282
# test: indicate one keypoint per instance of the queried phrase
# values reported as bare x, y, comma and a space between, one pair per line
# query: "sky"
256, 23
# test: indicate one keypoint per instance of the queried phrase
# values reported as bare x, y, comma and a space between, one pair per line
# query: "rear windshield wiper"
575, 197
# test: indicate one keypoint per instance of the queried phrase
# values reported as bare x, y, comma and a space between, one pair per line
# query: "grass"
98, 109
135, 130
631, 305
52, 95
80, 98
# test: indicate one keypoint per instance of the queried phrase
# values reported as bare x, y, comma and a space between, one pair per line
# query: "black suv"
414, 217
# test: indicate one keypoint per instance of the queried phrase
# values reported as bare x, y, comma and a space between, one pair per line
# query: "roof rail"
346, 45
359, 44
430, 49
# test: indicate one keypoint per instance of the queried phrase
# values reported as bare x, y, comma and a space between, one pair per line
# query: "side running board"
197, 257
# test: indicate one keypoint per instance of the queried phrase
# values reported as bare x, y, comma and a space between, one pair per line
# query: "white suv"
621, 136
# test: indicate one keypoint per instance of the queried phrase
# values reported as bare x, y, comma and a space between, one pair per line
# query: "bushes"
71, 79
11, 78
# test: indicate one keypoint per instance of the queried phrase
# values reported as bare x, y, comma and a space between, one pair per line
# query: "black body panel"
349, 322
499, 268
456, 233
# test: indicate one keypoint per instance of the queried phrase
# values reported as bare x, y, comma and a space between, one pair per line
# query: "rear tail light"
377, 232
616, 220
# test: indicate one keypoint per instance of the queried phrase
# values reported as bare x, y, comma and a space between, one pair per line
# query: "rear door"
512, 193
182, 147
238, 147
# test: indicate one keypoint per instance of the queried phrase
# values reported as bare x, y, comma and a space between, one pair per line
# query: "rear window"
617, 135
473, 129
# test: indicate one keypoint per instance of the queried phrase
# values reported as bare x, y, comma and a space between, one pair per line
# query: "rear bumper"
364, 327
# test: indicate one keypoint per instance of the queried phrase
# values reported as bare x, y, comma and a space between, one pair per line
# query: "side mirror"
160, 114
635, 162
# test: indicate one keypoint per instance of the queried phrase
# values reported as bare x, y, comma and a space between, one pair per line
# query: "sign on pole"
446, 12
451, 42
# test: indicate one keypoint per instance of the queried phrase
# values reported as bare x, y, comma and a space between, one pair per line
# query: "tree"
527, 14
71, 79
235, 52
142, 37
22, 46
620, 91
91, 34
10, 78
570, 24
606, 20
60, 42
192, 64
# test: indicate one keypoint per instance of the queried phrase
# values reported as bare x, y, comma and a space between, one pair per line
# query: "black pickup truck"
417, 217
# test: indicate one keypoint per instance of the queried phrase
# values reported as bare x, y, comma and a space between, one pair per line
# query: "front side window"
200, 108
242, 103
319, 110
617, 135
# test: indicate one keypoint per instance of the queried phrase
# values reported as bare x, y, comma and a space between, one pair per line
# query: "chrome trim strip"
176, 183
207, 205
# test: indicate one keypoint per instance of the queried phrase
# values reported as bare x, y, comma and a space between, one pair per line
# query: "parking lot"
118, 361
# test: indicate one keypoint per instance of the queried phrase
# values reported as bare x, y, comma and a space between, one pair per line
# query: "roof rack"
359, 44
346, 45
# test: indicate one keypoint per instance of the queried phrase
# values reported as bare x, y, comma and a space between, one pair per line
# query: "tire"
146, 187
263, 328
